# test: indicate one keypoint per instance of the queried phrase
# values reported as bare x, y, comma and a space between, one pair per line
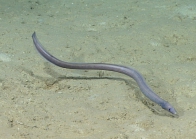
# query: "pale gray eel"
146, 90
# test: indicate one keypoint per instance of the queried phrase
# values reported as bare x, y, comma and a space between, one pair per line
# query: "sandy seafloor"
40, 100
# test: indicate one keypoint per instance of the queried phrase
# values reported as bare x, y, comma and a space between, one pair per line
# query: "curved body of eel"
146, 90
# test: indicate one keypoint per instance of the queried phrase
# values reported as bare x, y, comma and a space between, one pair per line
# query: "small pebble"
4, 57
